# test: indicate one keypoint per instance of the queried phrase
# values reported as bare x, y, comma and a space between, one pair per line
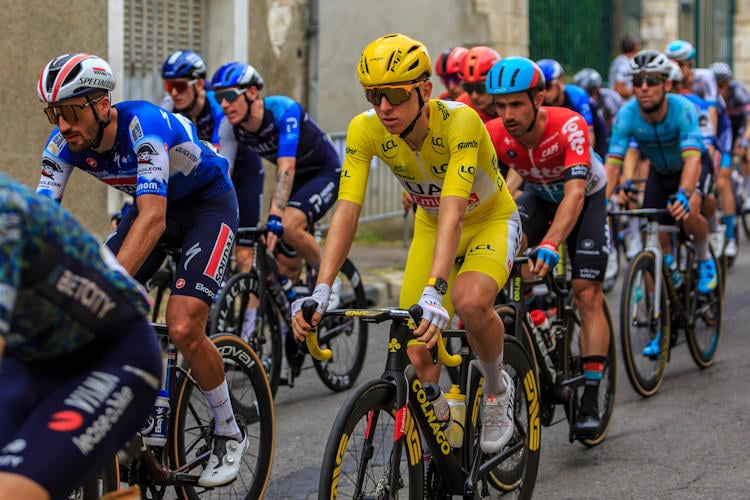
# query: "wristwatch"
438, 284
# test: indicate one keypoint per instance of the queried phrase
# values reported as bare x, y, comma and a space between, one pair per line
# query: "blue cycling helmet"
680, 50
514, 74
551, 69
236, 74
184, 64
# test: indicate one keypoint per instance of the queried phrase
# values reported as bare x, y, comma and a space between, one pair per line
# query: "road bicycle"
190, 432
271, 336
654, 311
559, 365
376, 448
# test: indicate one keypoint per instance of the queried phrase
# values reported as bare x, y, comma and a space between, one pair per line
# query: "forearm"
282, 189
691, 172
513, 180
140, 242
613, 177
338, 240
450, 224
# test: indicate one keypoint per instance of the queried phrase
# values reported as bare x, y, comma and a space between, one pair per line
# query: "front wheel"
704, 333
644, 336
345, 336
573, 368
357, 457
192, 423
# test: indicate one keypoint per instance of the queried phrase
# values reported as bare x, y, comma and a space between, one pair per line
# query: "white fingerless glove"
432, 307
320, 295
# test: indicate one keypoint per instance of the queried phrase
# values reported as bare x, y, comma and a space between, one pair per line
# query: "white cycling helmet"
722, 72
680, 50
676, 74
650, 61
74, 75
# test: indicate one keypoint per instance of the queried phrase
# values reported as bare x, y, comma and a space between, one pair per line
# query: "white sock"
634, 224
248, 325
493, 382
221, 406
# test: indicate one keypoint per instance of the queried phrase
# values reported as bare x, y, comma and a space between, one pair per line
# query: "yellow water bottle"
457, 405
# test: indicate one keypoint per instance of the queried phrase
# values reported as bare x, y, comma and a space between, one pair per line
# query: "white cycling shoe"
224, 463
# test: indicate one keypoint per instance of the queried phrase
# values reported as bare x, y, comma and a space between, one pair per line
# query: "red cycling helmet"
477, 63
449, 61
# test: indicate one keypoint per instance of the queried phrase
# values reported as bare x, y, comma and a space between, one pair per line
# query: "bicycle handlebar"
373, 316
246, 236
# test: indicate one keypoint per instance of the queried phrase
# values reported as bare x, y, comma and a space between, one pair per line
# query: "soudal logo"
100, 71
219, 258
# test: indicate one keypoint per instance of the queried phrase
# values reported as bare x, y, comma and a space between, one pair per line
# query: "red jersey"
563, 153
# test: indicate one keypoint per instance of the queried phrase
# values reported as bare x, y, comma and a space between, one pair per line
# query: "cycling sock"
225, 423
701, 250
634, 225
728, 221
248, 325
493, 382
713, 223
593, 366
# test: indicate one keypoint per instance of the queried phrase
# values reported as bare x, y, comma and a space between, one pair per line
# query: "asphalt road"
690, 440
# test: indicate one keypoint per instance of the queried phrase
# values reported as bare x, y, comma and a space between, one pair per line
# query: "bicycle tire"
346, 337
704, 332
192, 425
517, 474
572, 367
372, 406
228, 314
638, 327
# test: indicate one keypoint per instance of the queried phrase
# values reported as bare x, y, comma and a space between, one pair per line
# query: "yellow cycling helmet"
393, 58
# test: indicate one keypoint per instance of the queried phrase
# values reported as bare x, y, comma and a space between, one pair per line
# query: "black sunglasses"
479, 88
651, 81
549, 84
230, 94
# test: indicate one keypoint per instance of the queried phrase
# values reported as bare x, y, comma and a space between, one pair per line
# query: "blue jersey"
208, 120
155, 152
59, 288
577, 99
285, 131
665, 143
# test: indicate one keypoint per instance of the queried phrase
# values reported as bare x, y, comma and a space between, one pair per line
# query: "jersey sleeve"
467, 129
11, 256
580, 100
620, 135
227, 142
151, 143
288, 118
56, 167
357, 157
577, 148
691, 140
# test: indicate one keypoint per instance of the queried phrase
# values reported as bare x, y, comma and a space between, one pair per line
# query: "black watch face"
441, 286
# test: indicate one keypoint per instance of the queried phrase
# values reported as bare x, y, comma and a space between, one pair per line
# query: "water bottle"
457, 405
288, 287
439, 405
545, 338
671, 264
155, 433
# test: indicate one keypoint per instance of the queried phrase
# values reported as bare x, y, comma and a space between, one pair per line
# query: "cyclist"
620, 79
562, 200
280, 130
666, 128
446, 67
557, 93
81, 365
184, 74
737, 98
183, 198
608, 100
442, 155
472, 72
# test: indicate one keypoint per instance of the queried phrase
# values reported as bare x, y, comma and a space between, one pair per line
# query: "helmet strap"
536, 111
102, 124
410, 127
246, 118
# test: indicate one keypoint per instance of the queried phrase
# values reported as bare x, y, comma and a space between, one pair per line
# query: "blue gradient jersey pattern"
155, 152
287, 130
207, 121
58, 284
665, 143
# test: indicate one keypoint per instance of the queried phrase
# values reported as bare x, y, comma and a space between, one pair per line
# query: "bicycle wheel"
516, 475
639, 329
192, 423
228, 315
346, 337
704, 333
356, 461
572, 367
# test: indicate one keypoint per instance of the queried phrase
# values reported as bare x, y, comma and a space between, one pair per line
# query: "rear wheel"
357, 457
705, 332
345, 336
572, 368
192, 424
644, 337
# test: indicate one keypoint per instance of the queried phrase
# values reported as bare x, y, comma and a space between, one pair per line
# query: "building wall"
34, 33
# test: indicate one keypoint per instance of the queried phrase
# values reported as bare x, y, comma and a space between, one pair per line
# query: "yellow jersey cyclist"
442, 155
